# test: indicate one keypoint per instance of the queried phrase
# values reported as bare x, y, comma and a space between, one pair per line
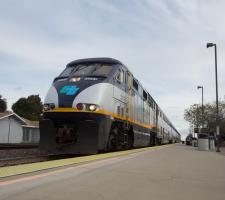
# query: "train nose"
68, 90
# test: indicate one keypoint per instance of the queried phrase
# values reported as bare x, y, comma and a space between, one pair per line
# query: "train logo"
69, 90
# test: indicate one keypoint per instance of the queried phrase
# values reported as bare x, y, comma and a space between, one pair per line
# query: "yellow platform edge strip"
34, 167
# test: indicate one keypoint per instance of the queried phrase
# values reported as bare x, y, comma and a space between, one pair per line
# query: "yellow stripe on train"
103, 112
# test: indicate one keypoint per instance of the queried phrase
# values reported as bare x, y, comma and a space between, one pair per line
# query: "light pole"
201, 87
196, 119
217, 105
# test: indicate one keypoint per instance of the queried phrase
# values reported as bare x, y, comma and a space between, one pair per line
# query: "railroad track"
17, 146
31, 159
14, 159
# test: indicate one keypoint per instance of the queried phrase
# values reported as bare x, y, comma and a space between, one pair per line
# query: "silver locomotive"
95, 105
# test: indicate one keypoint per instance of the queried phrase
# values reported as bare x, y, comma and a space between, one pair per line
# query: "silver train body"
97, 105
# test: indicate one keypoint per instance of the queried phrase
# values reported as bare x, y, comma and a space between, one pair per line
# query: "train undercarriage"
86, 133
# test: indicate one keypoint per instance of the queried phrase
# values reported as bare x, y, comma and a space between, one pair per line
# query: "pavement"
222, 150
175, 172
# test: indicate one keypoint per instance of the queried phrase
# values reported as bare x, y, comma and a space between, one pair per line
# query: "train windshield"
88, 70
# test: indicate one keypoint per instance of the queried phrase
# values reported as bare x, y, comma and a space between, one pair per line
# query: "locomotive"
97, 105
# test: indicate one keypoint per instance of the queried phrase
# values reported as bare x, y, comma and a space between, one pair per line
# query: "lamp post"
196, 119
201, 87
217, 105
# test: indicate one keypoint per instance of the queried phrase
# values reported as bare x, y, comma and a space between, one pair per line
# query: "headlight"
45, 107
87, 107
48, 106
92, 107
75, 79
80, 106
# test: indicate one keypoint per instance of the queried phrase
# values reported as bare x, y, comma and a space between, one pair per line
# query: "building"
31, 132
16, 130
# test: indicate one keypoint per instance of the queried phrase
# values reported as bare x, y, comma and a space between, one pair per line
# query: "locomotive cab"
77, 105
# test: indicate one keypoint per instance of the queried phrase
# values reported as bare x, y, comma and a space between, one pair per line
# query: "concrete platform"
39, 166
174, 172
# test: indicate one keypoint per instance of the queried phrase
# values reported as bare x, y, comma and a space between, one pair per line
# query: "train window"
145, 96
150, 101
102, 70
122, 111
93, 69
127, 77
149, 98
118, 110
120, 76
135, 84
66, 72
83, 70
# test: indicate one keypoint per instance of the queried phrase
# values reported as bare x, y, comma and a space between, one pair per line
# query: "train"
97, 105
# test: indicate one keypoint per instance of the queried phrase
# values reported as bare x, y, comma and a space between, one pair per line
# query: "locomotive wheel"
130, 139
112, 140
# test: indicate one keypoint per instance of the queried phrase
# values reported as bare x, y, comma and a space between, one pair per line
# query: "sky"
162, 42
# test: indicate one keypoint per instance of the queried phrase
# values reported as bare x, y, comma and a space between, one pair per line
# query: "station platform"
166, 172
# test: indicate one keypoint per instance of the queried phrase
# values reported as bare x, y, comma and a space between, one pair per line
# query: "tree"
29, 108
194, 116
3, 104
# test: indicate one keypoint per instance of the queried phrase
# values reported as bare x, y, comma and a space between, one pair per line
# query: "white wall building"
31, 132
15, 129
